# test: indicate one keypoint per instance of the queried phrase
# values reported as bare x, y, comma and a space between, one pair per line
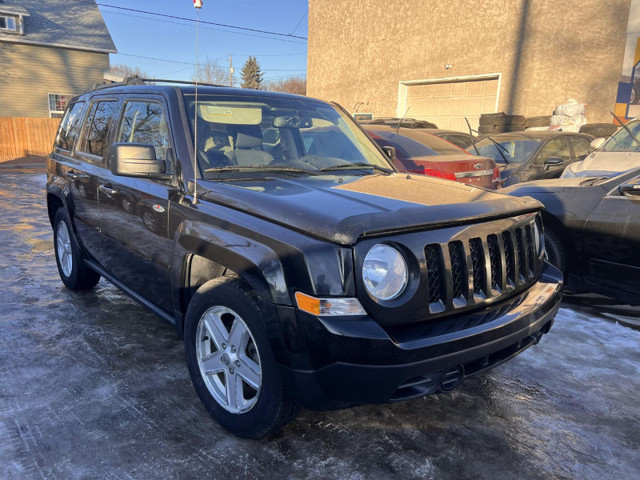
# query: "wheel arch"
54, 203
552, 223
216, 252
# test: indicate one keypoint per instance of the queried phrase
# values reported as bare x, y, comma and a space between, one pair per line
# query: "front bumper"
346, 362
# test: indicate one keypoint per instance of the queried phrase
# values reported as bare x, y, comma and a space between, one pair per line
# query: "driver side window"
145, 122
558, 147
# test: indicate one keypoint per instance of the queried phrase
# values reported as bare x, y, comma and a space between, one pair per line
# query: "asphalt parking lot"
92, 385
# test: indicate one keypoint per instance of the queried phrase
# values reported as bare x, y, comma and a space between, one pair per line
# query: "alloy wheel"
228, 359
64, 249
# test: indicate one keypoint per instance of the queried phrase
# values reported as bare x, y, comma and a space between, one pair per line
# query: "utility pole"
230, 70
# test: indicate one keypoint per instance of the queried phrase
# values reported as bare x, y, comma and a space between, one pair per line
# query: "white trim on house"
59, 45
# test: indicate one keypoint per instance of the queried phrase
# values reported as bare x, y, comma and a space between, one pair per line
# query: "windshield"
515, 151
276, 135
621, 141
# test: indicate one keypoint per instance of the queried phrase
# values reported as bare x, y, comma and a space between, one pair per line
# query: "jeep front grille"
469, 272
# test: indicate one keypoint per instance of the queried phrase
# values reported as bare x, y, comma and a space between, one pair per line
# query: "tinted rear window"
70, 127
98, 126
405, 147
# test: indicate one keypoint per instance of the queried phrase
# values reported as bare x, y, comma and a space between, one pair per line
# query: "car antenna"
624, 125
473, 139
198, 5
402, 119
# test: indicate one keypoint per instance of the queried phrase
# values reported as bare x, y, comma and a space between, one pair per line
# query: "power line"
284, 76
267, 54
191, 63
299, 21
296, 42
175, 17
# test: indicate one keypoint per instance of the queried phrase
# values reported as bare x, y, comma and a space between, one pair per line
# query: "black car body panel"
342, 209
477, 289
600, 227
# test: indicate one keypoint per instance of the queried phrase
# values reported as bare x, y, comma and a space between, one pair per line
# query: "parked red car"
427, 154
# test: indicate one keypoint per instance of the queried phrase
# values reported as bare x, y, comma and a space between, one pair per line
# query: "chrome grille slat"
531, 250
496, 260
459, 275
470, 271
510, 266
481, 268
435, 277
521, 257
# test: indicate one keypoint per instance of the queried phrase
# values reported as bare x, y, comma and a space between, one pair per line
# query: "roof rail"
112, 80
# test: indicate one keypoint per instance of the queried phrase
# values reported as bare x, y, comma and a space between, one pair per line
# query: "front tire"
555, 251
231, 363
71, 267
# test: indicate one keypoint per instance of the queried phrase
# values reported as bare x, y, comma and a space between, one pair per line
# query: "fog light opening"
452, 379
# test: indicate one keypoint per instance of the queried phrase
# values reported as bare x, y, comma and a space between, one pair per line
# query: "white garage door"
447, 104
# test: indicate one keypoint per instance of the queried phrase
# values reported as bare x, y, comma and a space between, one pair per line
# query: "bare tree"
127, 71
296, 85
211, 72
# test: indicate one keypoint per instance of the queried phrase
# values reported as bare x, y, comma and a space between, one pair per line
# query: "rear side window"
70, 127
145, 122
96, 137
405, 147
581, 146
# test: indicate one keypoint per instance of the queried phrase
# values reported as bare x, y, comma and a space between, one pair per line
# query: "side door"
134, 212
611, 239
552, 158
84, 173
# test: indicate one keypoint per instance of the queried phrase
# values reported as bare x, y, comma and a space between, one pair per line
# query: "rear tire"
71, 267
231, 363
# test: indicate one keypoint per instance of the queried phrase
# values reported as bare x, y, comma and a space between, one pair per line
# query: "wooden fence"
26, 138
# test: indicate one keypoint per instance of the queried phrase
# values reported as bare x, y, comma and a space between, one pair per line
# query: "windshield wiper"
473, 139
624, 125
356, 166
499, 148
259, 169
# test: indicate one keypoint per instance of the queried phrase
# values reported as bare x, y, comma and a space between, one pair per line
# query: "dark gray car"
533, 155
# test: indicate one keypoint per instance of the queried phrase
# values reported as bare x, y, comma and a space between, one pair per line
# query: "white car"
621, 152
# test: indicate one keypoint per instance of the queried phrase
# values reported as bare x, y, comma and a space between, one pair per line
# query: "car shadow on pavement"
605, 307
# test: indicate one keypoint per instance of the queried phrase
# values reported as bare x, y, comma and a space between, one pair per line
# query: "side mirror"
553, 162
390, 151
596, 143
135, 160
630, 189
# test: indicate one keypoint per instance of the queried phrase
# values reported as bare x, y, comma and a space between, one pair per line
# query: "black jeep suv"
300, 269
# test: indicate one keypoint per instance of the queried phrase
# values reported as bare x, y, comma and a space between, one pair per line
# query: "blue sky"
172, 41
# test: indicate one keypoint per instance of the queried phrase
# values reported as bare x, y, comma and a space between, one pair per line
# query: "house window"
57, 104
8, 23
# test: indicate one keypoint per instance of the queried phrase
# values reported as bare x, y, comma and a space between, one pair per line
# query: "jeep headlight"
384, 272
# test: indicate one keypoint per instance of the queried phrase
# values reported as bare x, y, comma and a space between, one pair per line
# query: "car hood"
543, 186
604, 163
342, 209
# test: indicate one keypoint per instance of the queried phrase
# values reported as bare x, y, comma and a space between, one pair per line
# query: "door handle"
108, 191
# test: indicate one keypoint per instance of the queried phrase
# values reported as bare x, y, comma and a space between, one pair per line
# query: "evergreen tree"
251, 74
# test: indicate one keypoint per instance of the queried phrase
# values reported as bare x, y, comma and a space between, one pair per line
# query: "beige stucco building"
444, 60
